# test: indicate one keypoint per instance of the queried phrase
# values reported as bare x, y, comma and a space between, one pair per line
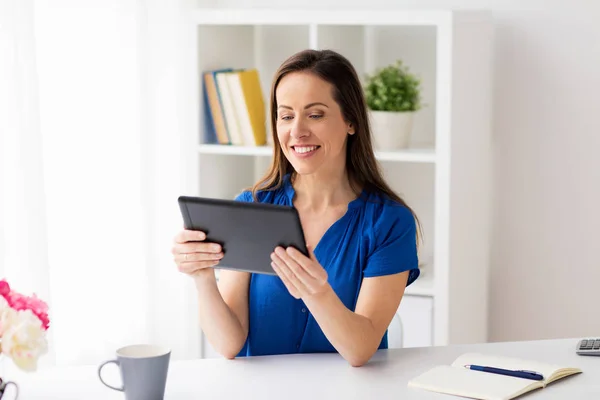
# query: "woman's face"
311, 129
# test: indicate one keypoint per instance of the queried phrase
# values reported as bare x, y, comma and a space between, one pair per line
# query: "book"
234, 107
249, 105
229, 109
215, 128
458, 380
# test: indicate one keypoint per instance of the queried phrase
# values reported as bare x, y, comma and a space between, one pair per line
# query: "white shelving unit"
408, 155
445, 173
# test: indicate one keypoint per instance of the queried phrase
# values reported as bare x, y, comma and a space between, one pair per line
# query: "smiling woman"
362, 237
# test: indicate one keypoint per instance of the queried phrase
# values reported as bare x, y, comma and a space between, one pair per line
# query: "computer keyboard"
589, 347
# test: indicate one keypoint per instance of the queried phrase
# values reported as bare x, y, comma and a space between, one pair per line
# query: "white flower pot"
391, 129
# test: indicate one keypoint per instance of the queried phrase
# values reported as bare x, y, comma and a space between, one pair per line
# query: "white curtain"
92, 158
23, 233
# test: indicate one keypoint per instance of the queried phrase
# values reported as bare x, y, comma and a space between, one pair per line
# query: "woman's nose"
299, 130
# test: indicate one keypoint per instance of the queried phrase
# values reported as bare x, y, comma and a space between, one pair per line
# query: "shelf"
450, 159
349, 17
235, 150
407, 155
423, 286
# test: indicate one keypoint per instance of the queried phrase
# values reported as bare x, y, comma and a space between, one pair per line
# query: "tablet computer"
247, 231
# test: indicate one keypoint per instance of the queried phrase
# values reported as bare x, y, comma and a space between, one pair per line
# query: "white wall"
546, 263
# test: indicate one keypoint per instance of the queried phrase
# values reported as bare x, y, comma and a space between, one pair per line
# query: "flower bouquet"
23, 325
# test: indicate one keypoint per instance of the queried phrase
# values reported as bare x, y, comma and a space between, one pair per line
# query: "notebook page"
491, 360
474, 384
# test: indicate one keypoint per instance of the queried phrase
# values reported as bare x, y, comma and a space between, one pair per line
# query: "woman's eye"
285, 117
316, 116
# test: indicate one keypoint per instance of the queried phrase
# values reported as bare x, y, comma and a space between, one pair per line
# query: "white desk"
320, 376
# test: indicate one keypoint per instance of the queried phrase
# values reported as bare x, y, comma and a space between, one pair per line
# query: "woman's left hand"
303, 276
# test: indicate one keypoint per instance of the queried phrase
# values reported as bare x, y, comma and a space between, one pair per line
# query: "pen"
518, 374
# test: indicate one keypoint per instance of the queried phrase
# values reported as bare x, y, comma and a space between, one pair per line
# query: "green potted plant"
393, 95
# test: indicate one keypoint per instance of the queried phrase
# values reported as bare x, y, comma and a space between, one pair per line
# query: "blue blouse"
375, 237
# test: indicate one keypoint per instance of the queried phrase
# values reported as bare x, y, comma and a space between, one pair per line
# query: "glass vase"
9, 390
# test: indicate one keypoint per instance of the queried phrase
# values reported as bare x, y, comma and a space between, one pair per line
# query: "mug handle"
121, 389
5, 385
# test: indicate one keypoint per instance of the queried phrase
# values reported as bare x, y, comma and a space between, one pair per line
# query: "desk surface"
320, 376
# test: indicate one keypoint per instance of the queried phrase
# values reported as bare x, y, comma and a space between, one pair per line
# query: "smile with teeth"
305, 149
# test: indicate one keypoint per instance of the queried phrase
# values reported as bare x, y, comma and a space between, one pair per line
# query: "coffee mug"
4, 385
143, 369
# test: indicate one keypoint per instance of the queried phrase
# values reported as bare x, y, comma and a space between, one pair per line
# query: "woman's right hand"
192, 254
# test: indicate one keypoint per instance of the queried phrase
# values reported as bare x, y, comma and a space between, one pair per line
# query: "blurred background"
98, 116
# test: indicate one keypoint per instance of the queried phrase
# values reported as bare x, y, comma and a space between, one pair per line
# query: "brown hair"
363, 170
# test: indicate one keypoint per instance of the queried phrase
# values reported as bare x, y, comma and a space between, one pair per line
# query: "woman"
362, 238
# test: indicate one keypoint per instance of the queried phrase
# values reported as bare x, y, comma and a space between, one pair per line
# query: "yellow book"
249, 105
458, 380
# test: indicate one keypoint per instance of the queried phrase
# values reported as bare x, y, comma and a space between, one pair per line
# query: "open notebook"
457, 380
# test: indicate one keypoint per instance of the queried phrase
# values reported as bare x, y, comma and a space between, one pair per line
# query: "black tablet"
248, 232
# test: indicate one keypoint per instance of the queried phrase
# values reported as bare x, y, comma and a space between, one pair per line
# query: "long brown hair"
364, 172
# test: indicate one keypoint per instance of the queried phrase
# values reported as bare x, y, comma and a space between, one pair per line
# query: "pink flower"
21, 302
37, 306
4, 287
23, 324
